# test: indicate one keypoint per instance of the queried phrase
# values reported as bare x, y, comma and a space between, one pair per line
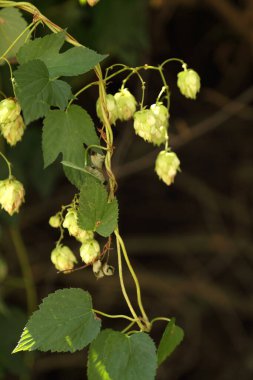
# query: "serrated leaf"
172, 337
65, 132
41, 48
109, 219
64, 322
74, 61
95, 213
113, 355
36, 92
12, 25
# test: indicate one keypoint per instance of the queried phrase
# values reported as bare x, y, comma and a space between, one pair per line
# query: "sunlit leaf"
113, 356
64, 322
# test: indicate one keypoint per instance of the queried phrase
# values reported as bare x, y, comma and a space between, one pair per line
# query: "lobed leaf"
95, 213
113, 355
64, 322
36, 92
75, 61
172, 337
65, 132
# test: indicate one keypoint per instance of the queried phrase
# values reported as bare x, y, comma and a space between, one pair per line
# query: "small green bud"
126, 104
13, 130
63, 258
188, 82
89, 251
166, 166
55, 221
3, 269
111, 107
9, 110
12, 195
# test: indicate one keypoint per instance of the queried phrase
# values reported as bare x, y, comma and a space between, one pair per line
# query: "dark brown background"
191, 244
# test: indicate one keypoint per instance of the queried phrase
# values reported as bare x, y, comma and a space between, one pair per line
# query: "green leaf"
172, 337
36, 92
64, 322
95, 213
12, 25
65, 132
109, 219
113, 356
74, 61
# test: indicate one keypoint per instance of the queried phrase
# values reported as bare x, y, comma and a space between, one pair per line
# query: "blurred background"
191, 243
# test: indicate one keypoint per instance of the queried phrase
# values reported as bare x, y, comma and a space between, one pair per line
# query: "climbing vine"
66, 320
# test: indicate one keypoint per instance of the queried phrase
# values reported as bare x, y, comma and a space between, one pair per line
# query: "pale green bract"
188, 83
89, 251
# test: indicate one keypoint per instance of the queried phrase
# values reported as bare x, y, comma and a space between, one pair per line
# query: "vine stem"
136, 281
123, 289
160, 319
114, 316
22, 255
7, 163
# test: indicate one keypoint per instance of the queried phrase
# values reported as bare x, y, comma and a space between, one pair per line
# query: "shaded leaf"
12, 25
65, 132
113, 355
64, 322
172, 337
95, 213
36, 92
74, 61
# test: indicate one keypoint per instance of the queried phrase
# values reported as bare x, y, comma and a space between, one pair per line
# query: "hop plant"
188, 82
144, 121
63, 258
152, 124
9, 110
12, 195
159, 133
70, 223
111, 107
11, 122
166, 166
89, 251
126, 104
13, 131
